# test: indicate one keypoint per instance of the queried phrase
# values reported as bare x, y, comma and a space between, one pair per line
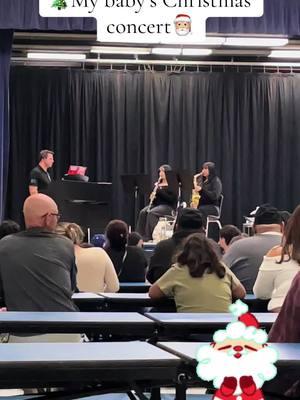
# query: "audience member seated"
95, 271
8, 227
129, 261
245, 256
189, 221
227, 233
199, 282
37, 266
280, 266
135, 239
286, 329
98, 240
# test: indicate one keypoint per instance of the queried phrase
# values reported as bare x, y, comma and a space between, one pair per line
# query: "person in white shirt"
280, 265
95, 270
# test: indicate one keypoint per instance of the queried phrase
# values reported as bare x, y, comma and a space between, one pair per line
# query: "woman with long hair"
280, 265
198, 281
162, 202
208, 186
129, 261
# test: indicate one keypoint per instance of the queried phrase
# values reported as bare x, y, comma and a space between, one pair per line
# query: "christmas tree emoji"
59, 4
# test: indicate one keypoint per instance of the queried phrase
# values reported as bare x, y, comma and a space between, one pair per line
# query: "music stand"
185, 179
136, 184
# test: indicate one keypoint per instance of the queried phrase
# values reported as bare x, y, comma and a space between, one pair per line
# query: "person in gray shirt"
37, 266
245, 256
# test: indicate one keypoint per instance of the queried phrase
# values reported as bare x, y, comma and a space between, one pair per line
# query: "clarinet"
153, 194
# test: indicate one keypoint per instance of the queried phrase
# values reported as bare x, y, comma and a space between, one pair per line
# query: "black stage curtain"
130, 122
6, 37
280, 17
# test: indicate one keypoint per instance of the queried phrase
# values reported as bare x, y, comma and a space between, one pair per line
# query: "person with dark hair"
226, 234
129, 261
280, 266
198, 281
188, 221
8, 227
135, 239
162, 202
208, 186
245, 256
39, 175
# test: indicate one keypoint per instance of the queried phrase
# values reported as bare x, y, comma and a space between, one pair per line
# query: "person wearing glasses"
37, 266
39, 176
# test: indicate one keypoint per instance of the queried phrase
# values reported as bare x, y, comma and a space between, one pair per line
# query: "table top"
73, 364
208, 319
34, 322
87, 353
84, 295
126, 296
69, 317
289, 353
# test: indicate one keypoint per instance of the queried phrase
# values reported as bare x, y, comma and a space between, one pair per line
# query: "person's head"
162, 171
116, 233
267, 219
46, 158
8, 227
291, 240
71, 231
98, 240
40, 211
226, 234
190, 219
135, 239
208, 170
199, 256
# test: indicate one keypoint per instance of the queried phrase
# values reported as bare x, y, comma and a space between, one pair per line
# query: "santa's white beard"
182, 32
215, 365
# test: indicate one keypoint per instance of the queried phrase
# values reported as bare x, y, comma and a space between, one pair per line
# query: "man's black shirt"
39, 178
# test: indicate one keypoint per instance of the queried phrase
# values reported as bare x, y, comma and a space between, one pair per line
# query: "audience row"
51, 261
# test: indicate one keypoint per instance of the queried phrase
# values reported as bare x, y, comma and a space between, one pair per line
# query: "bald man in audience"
37, 266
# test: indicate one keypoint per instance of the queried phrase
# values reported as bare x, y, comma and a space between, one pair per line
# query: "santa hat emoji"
182, 18
246, 328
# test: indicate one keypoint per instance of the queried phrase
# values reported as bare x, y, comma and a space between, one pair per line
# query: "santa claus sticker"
183, 24
238, 361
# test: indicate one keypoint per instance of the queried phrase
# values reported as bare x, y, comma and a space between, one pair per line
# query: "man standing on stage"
39, 176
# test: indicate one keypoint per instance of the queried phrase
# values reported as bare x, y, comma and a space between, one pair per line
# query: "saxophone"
195, 198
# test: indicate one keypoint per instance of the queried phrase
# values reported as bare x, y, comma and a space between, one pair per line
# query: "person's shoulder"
96, 250
135, 250
275, 251
166, 243
61, 240
35, 170
8, 239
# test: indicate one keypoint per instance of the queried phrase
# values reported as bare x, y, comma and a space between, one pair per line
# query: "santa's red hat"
246, 327
182, 18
